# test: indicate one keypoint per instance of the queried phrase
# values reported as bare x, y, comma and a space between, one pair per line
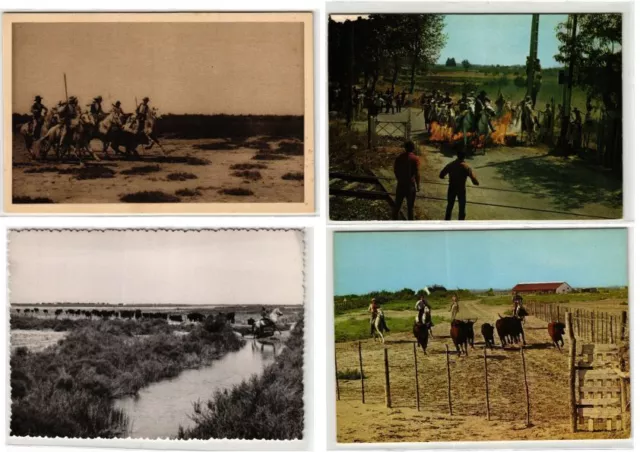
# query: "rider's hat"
117, 104
483, 93
145, 98
38, 98
98, 98
73, 99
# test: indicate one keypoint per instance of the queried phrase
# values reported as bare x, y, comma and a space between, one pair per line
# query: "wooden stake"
573, 421
526, 387
449, 381
486, 384
335, 355
361, 370
611, 338
623, 325
415, 363
387, 384
593, 327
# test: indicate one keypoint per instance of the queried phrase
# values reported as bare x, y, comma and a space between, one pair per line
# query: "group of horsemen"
69, 115
424, 310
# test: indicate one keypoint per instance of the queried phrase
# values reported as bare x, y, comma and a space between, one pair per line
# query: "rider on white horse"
38, 112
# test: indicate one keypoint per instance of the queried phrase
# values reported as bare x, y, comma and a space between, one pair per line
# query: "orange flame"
441, 133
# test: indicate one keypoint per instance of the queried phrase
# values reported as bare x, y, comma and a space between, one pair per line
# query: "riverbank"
68, 389
266, 407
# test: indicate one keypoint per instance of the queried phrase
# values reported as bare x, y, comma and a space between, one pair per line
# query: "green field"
490, 79
353, 328
602, 294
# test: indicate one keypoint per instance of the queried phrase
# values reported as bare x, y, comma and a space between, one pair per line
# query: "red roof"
537, 287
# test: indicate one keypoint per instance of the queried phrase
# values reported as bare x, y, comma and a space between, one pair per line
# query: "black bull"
462, 334
509, 330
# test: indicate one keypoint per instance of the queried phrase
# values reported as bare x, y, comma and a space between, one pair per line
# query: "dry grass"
30, 200
269, 156
187, 192
248, 174
293, 176
181, 176
149, 197
90, 172
248, 166
238, 191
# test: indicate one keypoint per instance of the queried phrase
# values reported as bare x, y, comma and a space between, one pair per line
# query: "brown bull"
462, 335
556, 330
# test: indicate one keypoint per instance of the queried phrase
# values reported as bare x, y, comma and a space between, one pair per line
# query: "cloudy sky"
203, 67
370, 261
163, 267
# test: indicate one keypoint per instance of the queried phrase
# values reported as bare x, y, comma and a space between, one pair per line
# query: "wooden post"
623, 402
387, 385
448, 380
486, 384
558, 313
573, 421
335, 355
415, 364
361, 370
593, 327
623, 325
526, 386
611, 338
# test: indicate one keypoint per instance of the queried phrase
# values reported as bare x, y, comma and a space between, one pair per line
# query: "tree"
466, 65
598, 56
451, 62
520, 81
427, 38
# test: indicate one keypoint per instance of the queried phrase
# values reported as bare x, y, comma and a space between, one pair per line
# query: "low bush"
181, 176
155, 196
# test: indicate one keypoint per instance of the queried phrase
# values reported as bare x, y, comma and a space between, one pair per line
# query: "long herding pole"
572, 374
415, 363
448, 380
526, 386
486, 384
66, 94
361, 371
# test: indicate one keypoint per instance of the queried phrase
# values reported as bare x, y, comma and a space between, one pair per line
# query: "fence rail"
597, 327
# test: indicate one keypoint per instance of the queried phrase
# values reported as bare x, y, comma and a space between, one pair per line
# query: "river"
160, 408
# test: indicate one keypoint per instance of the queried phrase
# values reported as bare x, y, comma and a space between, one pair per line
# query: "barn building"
542, 287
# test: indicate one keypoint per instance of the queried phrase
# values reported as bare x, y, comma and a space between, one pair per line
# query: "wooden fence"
597, 327
439, 399
394, 130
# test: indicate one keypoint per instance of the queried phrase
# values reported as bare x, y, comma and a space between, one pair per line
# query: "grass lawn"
349, 328
559, 298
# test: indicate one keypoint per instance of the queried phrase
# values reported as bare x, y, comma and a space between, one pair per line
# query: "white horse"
379, 326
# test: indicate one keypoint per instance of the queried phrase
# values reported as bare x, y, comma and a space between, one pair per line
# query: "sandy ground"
547, 374
513, 179
212, 171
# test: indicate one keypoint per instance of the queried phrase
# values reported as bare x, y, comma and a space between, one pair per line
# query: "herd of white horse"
112, 129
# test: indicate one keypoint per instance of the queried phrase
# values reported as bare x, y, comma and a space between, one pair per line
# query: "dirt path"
194, 171
547, 376
514, 179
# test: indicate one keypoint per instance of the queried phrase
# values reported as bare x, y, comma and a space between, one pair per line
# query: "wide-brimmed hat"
97, 98
117, 104
73, 99
38, 98
145, 98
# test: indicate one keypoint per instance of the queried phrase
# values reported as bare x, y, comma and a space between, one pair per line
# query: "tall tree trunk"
396, 70
414, 66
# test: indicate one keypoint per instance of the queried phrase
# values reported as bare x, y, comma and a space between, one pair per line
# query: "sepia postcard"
158, 113
157, 334
483, 335
476, 116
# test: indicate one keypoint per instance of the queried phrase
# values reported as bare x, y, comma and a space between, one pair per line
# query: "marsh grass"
181, 176
267, 407
155, 196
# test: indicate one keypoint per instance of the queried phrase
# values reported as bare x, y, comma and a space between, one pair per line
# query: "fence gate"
599, 405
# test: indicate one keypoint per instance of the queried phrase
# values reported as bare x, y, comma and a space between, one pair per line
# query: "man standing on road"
458, 171
407, 171
373, 311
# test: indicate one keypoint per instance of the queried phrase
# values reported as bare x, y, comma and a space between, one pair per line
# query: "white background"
319, 391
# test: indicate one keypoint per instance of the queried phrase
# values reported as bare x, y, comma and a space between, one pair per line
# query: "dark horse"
231, 317
421, 331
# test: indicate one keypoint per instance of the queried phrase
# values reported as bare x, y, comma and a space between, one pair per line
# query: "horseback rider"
69, 114
455, 307
423, 307
373, 311
446, 99
95, 109
517, 303
116, 110
37, 110
142, 111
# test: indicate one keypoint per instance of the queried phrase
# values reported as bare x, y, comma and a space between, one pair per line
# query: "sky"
495, 38
371, 261
205, 67
161, 267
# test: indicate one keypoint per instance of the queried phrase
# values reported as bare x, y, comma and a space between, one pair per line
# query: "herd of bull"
509, 329
129, 314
